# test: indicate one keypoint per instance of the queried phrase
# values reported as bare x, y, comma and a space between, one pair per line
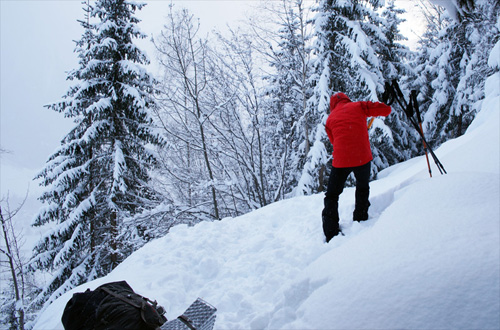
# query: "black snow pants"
338, 177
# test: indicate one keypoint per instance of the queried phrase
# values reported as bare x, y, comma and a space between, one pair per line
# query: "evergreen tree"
445, 62
347, 35
286, 112
422, 72
393, 139
480, 34
452, 74
99, 175
391, 52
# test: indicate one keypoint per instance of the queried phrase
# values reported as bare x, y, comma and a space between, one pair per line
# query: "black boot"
361, 212
362, 204
331, 232
331, 226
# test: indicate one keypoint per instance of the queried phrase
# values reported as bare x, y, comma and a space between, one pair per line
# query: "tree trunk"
12, 267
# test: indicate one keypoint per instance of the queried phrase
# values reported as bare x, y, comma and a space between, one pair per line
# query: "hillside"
428, 257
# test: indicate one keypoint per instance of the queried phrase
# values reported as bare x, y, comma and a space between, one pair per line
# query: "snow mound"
427, 258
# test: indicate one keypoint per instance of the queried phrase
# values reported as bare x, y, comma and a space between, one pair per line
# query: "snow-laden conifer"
348, 39
99, 174
393, 138
451, 66
288, 88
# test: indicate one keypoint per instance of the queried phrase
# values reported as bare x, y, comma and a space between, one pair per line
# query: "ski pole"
408, 109
413, 99
426, 145
395, 92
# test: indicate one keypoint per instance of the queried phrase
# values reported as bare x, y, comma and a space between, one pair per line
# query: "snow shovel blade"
199, 316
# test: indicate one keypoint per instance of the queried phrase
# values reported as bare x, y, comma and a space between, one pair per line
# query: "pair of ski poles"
393, 93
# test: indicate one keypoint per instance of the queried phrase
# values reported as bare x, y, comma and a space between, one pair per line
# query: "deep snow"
429, 257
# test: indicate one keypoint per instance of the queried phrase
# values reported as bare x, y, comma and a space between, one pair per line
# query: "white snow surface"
428, 258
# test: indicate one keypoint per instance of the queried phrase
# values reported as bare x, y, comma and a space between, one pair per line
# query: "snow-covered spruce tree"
99, 174
345, 48
457, 68
480, 35
445, 61
422, 72
390, 50
287, 51
393, 139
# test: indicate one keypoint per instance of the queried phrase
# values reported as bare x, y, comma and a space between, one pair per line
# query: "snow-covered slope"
429, 257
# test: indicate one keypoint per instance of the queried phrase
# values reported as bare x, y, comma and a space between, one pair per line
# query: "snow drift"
427, 258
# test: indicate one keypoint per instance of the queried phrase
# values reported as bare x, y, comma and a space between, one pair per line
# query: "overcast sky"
37, 43
37, 50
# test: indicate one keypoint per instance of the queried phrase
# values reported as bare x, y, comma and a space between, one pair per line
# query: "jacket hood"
338, 98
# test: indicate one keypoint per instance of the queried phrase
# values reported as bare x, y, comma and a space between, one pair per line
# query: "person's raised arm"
375, 109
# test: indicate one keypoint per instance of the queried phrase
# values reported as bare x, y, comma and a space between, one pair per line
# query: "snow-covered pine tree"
99, 175
391, 51
457, 68
422, 72
480, 35
445, 60
393, 139
345, 60
287, 91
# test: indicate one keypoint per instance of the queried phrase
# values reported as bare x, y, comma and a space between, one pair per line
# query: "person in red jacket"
347, 130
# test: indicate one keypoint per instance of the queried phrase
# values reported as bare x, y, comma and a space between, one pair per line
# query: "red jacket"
346, 127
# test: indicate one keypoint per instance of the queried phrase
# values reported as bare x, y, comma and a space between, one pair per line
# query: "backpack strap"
121, 297
151, 314
184, 319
